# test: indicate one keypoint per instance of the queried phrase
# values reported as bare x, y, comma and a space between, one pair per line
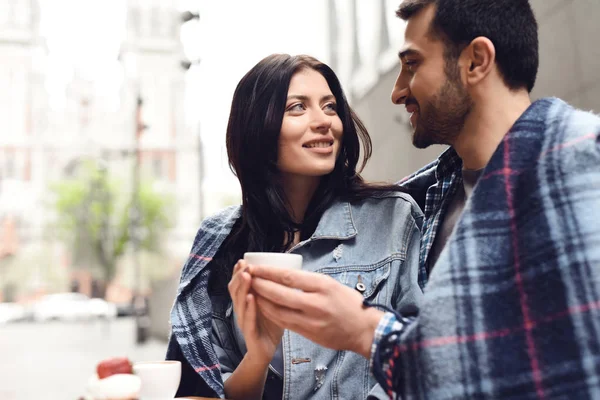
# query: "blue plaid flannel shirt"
191, 314
512, 308
447, 173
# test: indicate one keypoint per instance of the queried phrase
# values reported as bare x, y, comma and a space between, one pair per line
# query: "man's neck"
487, 124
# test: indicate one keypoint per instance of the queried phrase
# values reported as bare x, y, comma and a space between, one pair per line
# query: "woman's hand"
261, 335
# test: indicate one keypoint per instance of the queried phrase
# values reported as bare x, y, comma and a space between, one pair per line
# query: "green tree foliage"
94, 218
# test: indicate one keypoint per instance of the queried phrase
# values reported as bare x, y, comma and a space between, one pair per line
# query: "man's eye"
410, 65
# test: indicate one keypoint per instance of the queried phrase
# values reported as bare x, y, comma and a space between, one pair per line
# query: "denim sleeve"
405, 304
407, 292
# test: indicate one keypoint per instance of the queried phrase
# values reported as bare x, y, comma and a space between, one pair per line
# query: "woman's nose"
321, 122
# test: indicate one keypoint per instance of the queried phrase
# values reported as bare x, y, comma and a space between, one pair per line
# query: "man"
512, 231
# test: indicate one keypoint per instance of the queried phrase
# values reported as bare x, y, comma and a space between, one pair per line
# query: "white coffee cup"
284, 260
160, 379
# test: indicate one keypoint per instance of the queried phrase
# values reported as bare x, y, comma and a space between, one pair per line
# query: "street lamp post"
139, 302
188, 16
185, 17
186, 64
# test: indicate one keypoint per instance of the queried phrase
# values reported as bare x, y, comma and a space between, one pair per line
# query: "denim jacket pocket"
366, 279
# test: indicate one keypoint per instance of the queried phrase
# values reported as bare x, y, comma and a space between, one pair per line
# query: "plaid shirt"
448, 177
191, 314
512, 308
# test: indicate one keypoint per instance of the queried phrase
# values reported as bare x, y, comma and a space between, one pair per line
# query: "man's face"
429, 87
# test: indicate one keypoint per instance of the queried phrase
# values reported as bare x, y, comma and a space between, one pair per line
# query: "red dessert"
113, 366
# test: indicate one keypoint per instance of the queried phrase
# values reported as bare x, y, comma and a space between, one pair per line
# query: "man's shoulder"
574, 119
584, 124
572, 134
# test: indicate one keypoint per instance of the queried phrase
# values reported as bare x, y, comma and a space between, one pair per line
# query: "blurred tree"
93, 217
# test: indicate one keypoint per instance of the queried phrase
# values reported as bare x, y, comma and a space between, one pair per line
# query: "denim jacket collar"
336, 223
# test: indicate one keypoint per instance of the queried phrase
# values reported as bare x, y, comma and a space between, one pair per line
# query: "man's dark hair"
509, 24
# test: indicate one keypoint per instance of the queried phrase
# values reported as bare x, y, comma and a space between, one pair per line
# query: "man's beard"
444, 116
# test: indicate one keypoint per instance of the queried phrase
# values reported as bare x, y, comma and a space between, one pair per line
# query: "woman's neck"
299, 191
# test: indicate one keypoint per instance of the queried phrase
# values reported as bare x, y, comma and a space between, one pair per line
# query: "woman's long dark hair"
253, 130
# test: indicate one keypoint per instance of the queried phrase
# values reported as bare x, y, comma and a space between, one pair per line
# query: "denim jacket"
371, 245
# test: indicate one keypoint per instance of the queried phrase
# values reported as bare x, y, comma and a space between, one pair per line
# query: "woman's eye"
297, 107
331, 107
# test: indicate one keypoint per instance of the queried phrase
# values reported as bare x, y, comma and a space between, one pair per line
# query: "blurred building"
23, 118
22, 109
364, 41
569, 51
153, 59
40, 145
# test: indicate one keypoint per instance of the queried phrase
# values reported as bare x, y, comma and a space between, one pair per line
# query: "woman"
294, 144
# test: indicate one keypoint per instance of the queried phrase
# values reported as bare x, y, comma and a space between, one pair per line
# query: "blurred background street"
112, 151
56, 360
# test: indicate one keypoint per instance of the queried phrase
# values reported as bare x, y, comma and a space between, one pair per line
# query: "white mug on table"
160, 379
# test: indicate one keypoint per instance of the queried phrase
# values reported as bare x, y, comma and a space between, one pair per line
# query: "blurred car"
125, 310
71, 307
12, 312
100, 308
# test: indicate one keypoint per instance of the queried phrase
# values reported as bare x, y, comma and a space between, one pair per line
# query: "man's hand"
323, 310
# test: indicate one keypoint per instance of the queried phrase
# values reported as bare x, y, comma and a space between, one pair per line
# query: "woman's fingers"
236, 278
241, 264
250, 316
238, 289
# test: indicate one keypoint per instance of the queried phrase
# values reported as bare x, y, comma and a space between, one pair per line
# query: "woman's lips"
321, 150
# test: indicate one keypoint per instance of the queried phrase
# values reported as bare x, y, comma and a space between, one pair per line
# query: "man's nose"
400, 92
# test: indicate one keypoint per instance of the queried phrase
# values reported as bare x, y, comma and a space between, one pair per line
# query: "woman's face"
311, 132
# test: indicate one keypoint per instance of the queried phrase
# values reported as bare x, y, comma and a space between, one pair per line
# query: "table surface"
193, 398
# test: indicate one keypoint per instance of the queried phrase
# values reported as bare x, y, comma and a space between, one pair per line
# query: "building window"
21, 14
10, 165
5, 13
155, 21
134, 20
167, 19
175, 26
157, 168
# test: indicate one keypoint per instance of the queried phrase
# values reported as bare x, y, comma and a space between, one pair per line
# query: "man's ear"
479, 58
